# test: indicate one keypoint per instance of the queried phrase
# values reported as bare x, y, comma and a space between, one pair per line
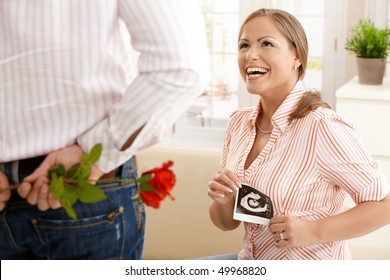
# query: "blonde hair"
292, 29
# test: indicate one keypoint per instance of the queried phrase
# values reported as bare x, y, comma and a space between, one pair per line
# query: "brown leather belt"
109, 175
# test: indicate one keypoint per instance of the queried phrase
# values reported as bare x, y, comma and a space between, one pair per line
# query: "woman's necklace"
262, 131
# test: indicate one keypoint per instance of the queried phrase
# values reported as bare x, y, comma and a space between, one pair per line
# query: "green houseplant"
371, 45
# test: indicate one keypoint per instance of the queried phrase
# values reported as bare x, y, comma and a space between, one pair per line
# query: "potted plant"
371, 46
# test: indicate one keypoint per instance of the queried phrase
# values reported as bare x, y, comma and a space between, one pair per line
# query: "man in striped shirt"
296, 151
67, 82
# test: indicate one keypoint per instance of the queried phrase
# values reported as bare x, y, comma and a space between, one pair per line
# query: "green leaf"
74, 171
70, 194
89, 193
93, 156
85, 171
95, 153
144, 178
146, 188
56, 186
58, 170
69, 209
143, 186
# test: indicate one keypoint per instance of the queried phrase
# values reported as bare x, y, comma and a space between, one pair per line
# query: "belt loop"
119, 171
15, 172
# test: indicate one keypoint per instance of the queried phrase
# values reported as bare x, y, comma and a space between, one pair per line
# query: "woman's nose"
252, 54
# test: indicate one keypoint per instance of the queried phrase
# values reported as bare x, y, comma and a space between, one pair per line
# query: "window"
220, 98
207, 117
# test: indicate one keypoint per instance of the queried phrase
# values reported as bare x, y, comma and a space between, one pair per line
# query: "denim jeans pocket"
97, 237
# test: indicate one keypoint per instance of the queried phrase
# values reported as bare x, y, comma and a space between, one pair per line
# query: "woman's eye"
243, 46
266, 44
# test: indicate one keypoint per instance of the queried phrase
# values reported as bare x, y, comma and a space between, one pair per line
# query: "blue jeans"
111, 229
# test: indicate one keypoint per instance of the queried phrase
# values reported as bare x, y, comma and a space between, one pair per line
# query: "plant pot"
371, 70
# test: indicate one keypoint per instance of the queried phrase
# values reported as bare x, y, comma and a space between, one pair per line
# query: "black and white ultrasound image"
251, 201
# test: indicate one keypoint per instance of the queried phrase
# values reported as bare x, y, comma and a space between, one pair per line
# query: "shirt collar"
280, 118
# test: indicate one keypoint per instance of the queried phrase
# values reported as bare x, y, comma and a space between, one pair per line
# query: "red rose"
159, 183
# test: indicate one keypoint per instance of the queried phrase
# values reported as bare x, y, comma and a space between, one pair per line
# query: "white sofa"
181, 229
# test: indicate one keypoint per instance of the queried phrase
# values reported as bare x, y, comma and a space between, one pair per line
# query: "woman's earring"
297, 66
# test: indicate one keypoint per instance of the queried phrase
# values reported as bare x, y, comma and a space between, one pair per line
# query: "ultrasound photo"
252, 206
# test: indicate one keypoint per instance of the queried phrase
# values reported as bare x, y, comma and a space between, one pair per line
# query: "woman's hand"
35, 187
222, 189
223, 186
4, 194
297, 232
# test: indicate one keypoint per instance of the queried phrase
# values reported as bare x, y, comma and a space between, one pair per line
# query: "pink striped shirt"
306, 168
67, 75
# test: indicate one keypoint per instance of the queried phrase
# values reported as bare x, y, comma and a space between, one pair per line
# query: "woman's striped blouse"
306, 168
